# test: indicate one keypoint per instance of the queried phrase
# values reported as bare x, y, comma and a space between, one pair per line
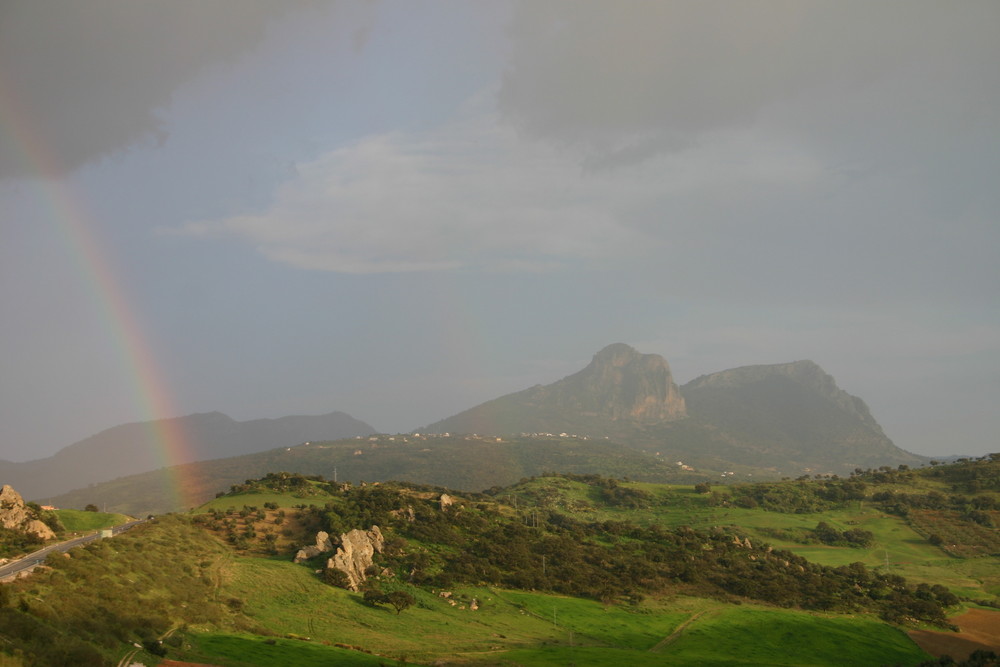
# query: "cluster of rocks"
15, 515
354, 553
447, 595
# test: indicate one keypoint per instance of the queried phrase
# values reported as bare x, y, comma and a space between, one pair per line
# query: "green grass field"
308, 619
524, 628
79, 521
759, 636
908, 553
243, 650
257, 499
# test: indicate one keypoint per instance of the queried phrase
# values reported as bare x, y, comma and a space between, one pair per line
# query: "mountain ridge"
620, 415
787, 417
618, 384
137, 447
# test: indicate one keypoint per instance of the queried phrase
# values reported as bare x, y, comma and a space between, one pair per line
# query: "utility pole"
335, 474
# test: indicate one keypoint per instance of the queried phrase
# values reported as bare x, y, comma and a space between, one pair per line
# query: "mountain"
619, 385
621, 416
782, 419
133, 448
794, 414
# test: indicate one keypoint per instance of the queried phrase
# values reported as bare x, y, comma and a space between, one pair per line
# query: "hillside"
794, 413
783, 419
552, 570
619, 384
622, 416
470, 463
134, 448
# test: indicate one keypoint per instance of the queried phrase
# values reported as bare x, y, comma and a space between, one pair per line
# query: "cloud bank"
473, 195
82, 80
621, 85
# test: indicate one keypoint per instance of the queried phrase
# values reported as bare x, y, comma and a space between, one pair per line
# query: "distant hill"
621, 416
133, 448
619, 385
462, 462
794, 416
784, 418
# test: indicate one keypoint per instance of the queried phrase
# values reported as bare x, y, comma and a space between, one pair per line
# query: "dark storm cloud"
81, 80
623, 85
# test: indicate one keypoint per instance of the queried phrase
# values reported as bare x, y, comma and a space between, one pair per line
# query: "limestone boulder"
16, 515
323, 545
356, 554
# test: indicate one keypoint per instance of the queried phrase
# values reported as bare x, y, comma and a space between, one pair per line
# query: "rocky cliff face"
619, 385
15, 515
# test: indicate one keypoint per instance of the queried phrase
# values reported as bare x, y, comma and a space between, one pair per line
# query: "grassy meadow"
510, 627
80, 521
244, 603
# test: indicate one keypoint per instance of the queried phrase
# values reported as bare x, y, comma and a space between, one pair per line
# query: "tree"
375, 596
90, 508
400, 600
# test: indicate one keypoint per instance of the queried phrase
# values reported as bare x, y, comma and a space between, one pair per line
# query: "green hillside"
474, 463
555, 569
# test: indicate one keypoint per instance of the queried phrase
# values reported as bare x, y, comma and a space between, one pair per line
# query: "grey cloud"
82, 80
466, 195
620, 82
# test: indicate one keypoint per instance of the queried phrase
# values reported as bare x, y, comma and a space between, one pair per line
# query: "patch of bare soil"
979, 630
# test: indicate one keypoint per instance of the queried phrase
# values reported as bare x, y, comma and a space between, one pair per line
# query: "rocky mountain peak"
622, 383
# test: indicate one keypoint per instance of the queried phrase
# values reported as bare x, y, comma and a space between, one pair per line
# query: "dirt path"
979, 630
676, 633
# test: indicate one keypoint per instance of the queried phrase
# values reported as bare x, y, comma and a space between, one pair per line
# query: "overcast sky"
402, 209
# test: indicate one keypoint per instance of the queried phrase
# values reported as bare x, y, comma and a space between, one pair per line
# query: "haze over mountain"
133, 448
618, 384
622, 415
795, 412
787, 417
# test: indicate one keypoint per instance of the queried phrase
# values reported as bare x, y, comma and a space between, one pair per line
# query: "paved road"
33, 560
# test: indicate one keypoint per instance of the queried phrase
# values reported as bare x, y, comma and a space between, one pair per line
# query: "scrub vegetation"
552, 570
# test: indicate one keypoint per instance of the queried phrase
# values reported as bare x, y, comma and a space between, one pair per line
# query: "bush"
400, 600
335, 577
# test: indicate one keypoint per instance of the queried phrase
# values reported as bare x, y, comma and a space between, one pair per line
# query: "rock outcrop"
621, 383
356, 554
323, 545
15, 515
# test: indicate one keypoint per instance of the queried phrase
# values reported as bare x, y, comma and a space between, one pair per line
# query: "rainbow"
70, 216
